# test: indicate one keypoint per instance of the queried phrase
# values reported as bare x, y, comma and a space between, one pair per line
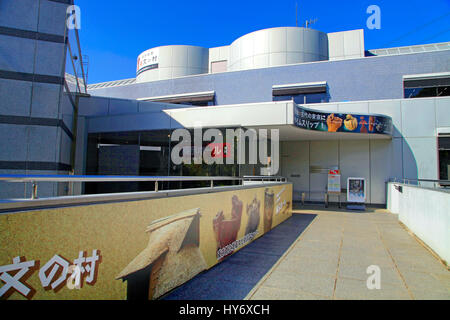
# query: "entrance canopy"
295, 122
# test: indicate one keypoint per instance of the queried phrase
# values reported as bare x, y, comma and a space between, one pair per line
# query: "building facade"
35, 120
409, 85
275, 79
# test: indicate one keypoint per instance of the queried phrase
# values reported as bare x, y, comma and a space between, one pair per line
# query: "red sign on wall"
219, 150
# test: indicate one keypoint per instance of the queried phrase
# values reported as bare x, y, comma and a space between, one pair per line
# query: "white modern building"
379, 114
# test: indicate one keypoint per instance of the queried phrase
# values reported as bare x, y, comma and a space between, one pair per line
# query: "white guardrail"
34, 179
425, 211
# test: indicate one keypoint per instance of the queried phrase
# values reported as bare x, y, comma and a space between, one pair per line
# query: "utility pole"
296, 14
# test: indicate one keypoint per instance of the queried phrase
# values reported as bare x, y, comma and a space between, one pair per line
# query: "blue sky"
114, 32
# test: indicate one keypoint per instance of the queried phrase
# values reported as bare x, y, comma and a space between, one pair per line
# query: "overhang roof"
299, 88
183, 97
274, 115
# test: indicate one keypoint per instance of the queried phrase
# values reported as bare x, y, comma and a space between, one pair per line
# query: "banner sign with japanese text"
341, 122
131, 250
148, 60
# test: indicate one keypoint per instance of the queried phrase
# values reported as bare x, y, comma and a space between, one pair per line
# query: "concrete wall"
115, 226
219, 54
412, 153
35, 118
425, 212
260, 49
265, 48
176, 61
115, 115
277, 46
369, 159
346, 45
272, 47
370, 78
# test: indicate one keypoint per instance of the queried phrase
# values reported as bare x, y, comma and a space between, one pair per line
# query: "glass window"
443, 91
426, 87
196, 103
304, 98
316, 98
444, 162
126, 153
420, 92
145, 153
444, 158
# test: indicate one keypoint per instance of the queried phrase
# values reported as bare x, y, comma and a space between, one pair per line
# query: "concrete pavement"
330, 258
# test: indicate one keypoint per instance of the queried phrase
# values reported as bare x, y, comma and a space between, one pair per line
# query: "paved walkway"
237, 275
330, 258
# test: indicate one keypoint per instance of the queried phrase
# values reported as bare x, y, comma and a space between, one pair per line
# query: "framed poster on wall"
356, 190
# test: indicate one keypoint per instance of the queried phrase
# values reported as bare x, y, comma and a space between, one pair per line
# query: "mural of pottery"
268, 209
284, 209
171, 257
253, 216
371, 123
226, 230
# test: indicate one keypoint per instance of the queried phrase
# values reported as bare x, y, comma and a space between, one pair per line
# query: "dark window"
304, 98
302, 93
420, 92
432, 87
197, 103
145, 153
444, 158
444, 91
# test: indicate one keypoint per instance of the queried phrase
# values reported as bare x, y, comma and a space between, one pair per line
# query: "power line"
436, 35
419, 28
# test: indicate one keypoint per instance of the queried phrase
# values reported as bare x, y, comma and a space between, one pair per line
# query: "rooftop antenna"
310, 22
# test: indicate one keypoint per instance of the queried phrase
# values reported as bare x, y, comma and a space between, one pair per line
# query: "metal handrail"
417, 180
424, 180
253, 178
438, 184
95, 178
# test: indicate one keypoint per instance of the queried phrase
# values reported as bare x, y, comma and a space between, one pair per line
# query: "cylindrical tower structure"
276, 47
168, 62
